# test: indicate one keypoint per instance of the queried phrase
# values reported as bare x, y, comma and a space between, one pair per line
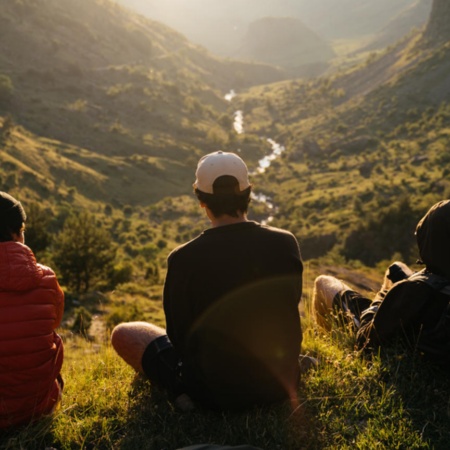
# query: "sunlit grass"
394, 401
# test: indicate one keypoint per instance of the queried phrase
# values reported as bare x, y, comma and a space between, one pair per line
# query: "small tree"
82, 321
6, 88
38, 236
6, 129
84, 253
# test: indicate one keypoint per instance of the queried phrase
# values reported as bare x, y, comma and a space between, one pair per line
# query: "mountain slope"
366, 150
92, 74
220, 25
337, 19
285, 42
117, 90
438, 29
414, 16
53, 172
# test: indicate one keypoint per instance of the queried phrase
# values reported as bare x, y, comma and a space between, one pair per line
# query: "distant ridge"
415, 16
284, 41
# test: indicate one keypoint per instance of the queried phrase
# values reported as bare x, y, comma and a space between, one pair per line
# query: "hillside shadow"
33, 436
153, 423
424, 390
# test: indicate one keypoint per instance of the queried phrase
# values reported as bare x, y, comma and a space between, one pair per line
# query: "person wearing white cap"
231, 299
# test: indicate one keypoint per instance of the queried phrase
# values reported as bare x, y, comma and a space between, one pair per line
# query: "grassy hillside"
349, 402
414, 16
107, 104
42, 168
118, 128
366, 150
94, 75
108, 112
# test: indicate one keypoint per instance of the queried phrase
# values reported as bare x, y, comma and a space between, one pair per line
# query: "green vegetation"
114, 123
392, 401
359, 146
6, 88
84, 253
113, 82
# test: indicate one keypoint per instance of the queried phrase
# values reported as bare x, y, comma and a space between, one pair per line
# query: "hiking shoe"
184, 403
307, 363
396, 272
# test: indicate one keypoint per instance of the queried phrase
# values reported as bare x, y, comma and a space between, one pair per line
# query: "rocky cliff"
438, 28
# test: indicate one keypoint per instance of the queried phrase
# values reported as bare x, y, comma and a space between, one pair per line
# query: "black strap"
437, 282
158, 345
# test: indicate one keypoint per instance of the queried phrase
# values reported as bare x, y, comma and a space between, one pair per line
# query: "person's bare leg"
325, 289
131, 339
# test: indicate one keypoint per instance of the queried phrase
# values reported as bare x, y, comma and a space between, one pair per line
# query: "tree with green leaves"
7, 127
6, 88
84, 253
38, 235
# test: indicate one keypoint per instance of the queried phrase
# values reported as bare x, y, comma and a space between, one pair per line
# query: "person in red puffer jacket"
31, 308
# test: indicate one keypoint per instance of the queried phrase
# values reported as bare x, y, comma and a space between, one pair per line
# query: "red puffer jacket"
31, 353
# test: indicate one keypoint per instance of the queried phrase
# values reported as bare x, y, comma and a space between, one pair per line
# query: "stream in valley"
263, 164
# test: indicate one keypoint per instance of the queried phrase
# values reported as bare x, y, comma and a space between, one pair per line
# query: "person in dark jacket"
31, 308
231, 299
409, 305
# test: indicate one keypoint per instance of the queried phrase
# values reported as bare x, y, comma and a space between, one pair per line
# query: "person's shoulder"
17, 255
411, 288
280, 232
187, 247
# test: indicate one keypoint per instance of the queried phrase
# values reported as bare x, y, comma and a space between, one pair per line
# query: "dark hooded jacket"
433, 239
412, 308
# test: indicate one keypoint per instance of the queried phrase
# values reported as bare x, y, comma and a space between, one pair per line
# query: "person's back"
237, 325
31, 307
231, 300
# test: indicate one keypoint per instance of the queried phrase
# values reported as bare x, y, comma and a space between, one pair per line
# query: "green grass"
394, 401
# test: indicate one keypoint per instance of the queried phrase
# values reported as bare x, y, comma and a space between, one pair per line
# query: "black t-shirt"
231, 302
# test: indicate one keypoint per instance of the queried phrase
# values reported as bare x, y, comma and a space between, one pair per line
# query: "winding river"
263, 164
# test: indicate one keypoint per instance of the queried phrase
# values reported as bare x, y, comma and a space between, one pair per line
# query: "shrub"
389, 231
123, 313
7, 128
122, 273
82, 321
38, 236
6, 88
83, 252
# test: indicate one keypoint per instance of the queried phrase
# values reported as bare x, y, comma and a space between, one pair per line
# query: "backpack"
435, 342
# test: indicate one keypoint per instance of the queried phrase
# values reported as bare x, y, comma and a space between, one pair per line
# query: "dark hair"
227, 198
12, 217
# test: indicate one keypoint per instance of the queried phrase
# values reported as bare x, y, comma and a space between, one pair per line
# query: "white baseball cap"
217, 164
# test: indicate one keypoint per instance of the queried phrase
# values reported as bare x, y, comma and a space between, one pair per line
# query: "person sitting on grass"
230, 299
31, 308
411, 306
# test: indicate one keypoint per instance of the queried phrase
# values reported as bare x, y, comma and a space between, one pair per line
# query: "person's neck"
227, 220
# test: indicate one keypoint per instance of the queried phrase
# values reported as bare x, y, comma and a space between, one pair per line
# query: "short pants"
162, 365
350, 305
